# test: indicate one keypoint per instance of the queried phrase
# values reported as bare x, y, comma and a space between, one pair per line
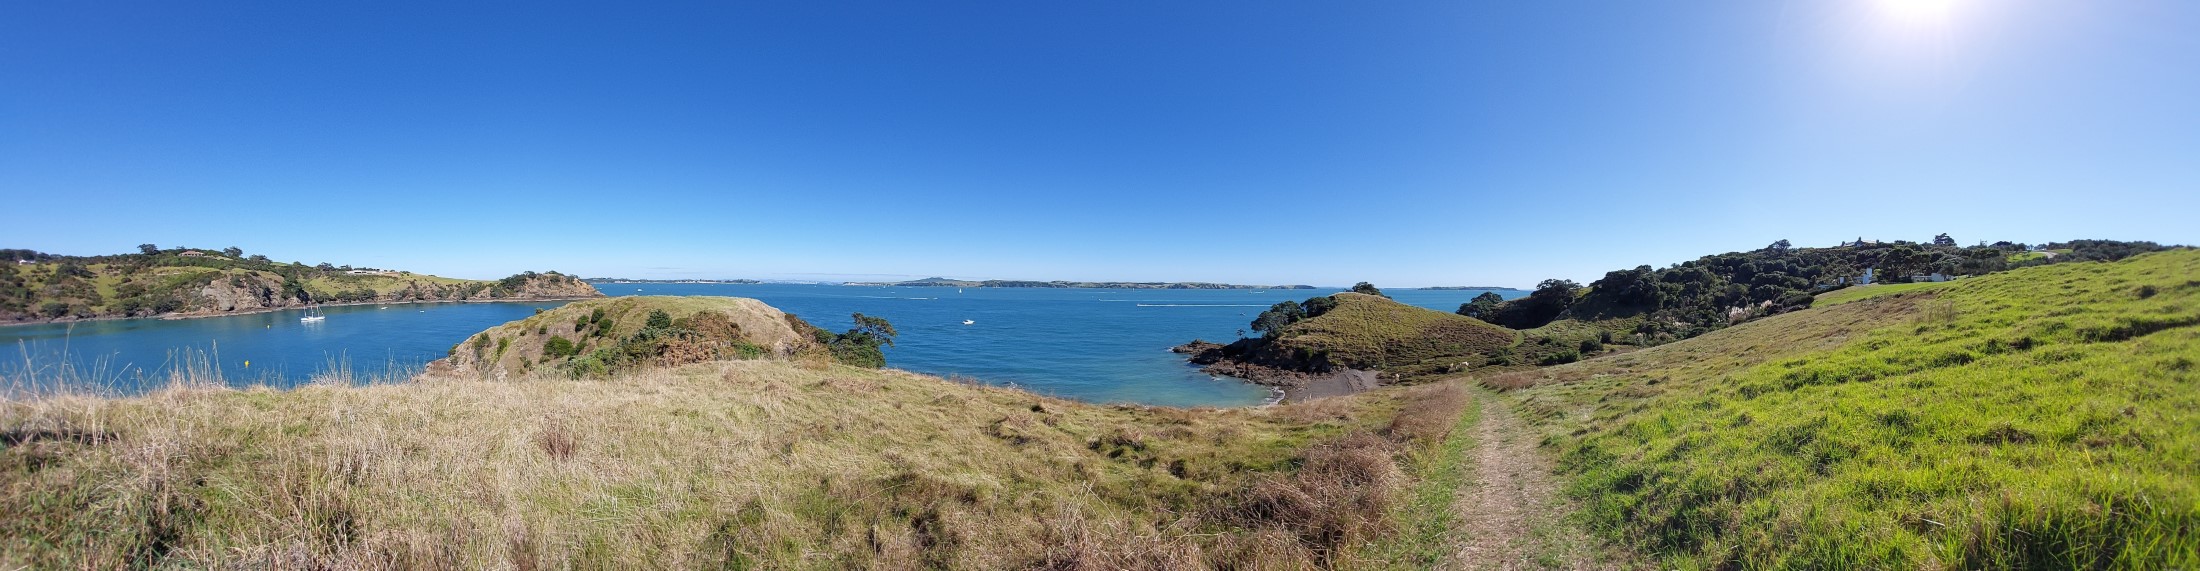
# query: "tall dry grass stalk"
721, 464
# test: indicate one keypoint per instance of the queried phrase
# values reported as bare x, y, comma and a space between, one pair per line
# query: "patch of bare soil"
1510, 517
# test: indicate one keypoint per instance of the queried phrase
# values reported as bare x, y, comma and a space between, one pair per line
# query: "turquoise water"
1087, 344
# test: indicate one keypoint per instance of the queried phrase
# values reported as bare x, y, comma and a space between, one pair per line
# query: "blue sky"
1407, 143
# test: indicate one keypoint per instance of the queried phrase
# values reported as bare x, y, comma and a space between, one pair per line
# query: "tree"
148, 249
1780, 247
1367, 288
1551, 298
1482, 307
1316, 306
1270, 323
1943, 240
233, 252
326, 267
860, 345
876, 328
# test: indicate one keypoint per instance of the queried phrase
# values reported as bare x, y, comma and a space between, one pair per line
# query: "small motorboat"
968, 322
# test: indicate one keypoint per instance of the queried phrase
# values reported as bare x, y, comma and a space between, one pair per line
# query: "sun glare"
1918, 12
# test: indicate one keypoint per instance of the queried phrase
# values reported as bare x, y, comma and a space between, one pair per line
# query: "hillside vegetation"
594, 336
196, 282
771, 462
2036, 418
1646, 306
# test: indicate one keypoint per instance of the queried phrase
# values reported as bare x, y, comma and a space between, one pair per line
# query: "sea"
1094, 345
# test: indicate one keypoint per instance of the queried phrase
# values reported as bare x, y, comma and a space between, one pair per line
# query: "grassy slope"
2040, 418
517, 346
1371, 331
1854, 293
767, 464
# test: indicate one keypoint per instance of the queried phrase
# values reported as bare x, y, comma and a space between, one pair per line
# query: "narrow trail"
1509, 515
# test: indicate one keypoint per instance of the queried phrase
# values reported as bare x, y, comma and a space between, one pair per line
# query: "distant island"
944, 282
38, 287
635, 281
1491, 288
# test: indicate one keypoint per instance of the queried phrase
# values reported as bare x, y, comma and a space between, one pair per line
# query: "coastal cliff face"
101, 292
251, 293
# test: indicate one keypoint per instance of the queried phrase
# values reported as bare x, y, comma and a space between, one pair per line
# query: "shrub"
658, 319
592, 365
1561, 357
559, 347
747, 350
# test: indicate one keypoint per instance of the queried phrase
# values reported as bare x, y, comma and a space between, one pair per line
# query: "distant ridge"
685, 281
944, 282
1495, 288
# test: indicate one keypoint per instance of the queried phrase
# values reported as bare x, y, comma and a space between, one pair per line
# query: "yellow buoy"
248, 364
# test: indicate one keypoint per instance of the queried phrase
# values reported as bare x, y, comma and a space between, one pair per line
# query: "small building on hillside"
1865, 279
1932, 277
192, 253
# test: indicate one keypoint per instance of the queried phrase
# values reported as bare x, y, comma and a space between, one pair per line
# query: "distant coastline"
944, 282
1491, 288
629, 281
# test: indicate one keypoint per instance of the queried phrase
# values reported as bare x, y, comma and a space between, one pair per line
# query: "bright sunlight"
1919, 12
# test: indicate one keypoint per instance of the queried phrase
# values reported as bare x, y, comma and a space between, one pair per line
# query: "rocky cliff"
73, 292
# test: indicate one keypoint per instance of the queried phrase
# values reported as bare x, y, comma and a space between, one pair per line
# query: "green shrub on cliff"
560, 347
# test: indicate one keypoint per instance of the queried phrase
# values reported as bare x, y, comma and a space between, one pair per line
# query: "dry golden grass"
742, 464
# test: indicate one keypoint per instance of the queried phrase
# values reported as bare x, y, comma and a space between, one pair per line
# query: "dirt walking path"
1509, 515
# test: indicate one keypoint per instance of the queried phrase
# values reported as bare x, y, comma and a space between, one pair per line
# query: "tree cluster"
1714, 291
1270, 323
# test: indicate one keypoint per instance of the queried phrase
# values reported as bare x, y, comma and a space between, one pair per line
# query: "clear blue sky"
1411, 144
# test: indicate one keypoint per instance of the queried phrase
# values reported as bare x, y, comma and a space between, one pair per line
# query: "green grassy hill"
2038, 418
1373, 332
767, 463
600, 330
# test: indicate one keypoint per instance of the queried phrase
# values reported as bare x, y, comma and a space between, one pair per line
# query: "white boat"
313, 315
968, 322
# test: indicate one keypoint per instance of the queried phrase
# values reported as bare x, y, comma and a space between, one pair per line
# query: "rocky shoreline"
1298, 381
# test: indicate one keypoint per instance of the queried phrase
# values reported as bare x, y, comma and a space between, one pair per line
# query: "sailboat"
313, 314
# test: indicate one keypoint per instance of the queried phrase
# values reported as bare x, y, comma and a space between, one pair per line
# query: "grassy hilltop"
1370, 331
2037, 418
743, 460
